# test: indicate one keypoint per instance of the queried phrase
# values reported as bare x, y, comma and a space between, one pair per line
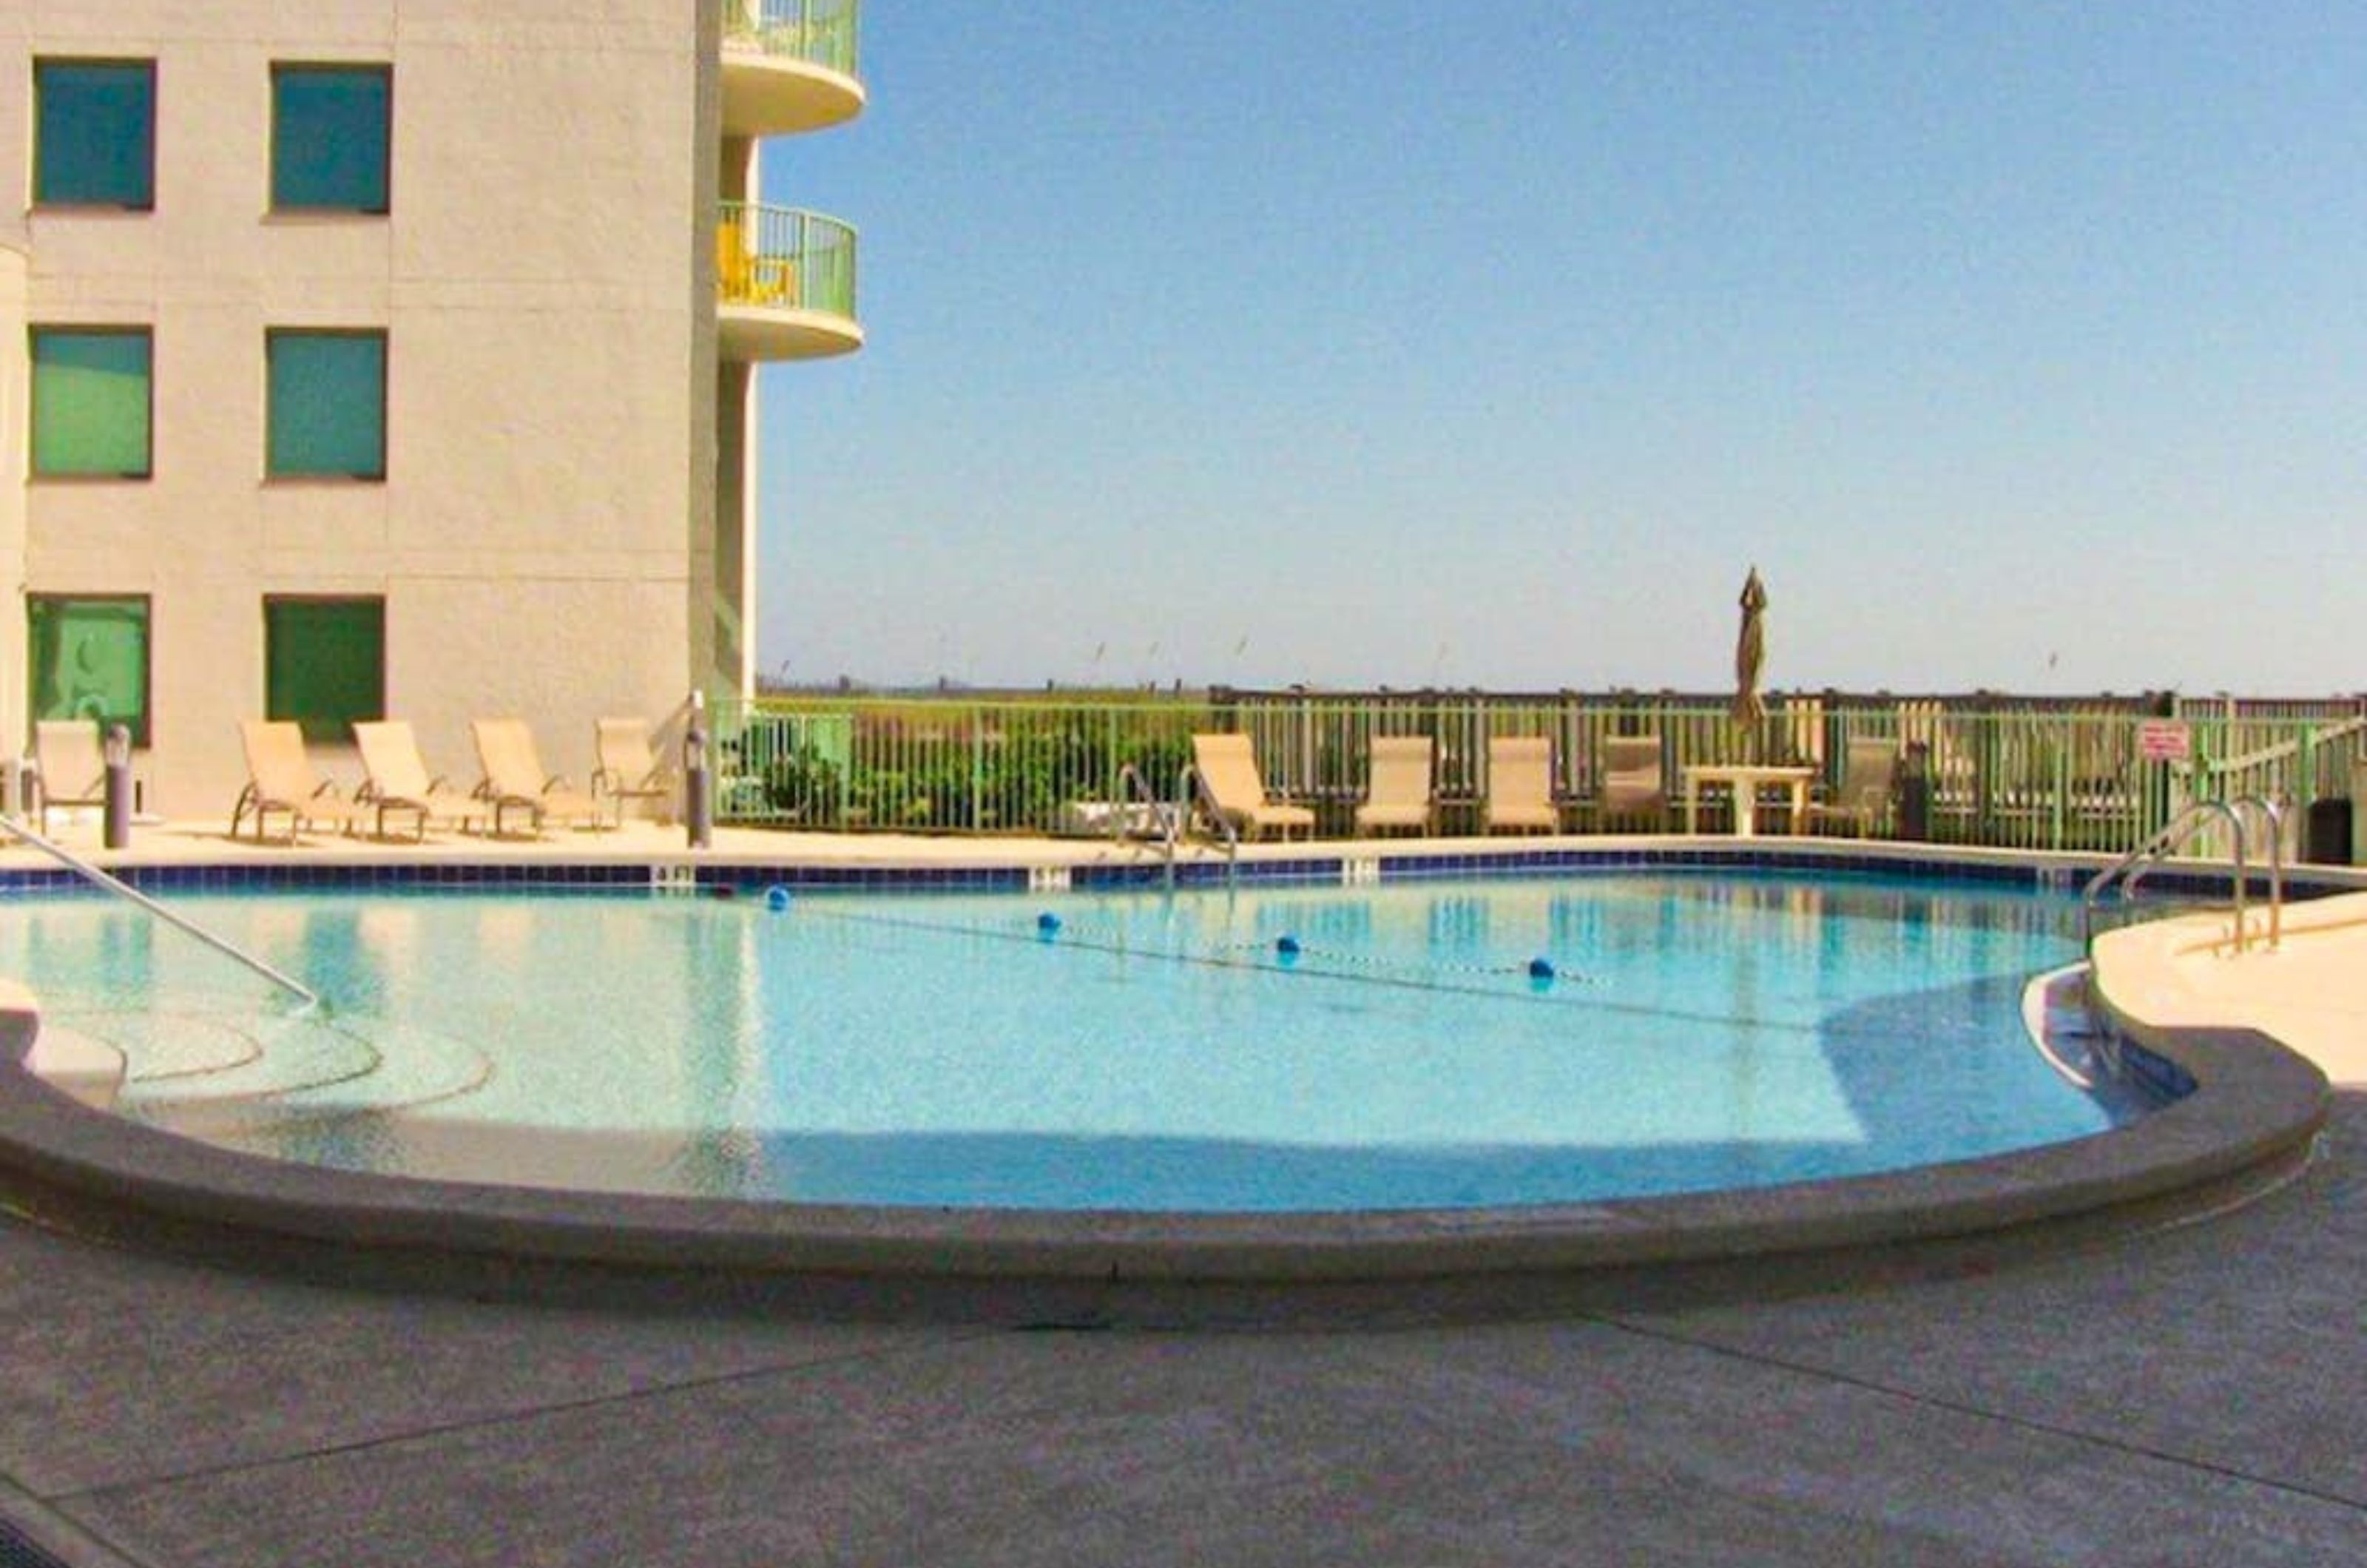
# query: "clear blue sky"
1357, 342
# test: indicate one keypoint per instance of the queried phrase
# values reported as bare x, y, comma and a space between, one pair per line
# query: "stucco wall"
13, 436
547, 298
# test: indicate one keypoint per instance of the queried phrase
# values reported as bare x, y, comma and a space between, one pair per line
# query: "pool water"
1410, 1045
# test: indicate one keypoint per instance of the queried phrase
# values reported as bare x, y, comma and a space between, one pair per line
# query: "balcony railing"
820, 32
779, 258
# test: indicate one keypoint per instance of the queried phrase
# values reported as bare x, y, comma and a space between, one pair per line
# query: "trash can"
1915, 791
2328, 841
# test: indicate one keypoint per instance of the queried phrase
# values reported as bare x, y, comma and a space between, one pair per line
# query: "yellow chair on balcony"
747, 278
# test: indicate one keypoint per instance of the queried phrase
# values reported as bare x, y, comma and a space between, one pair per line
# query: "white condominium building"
368, 358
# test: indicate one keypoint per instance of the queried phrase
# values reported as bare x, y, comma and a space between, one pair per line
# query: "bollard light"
115, 749
698, 798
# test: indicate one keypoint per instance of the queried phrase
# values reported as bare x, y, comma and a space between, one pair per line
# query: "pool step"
187, 1042
291, 1053
282, 1071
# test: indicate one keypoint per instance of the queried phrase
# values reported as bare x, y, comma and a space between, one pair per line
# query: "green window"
327, 397
91, 402
89, 660
325, 664
95, 133
330, 137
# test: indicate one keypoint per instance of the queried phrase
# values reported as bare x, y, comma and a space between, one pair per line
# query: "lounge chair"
280, 777
399, 779
1397, 792
1869, 776
69, 764
1230, 787
515, 779
630, 767
1520, 786
1634, 784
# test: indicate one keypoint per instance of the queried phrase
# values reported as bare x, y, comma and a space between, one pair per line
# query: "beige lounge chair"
69, 764
399, 779
515, 781
1520, 786
1397, 793
630, 767
1869, 775
1230, 787
1634, 784
280, 777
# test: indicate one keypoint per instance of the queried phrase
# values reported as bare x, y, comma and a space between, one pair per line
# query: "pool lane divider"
1048, 928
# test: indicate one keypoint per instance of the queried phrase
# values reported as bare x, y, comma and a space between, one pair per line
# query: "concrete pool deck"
2190, 1392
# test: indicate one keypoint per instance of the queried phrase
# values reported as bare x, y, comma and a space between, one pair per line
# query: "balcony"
785, 284
789, 65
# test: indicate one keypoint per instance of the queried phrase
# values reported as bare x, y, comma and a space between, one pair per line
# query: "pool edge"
2257, 1108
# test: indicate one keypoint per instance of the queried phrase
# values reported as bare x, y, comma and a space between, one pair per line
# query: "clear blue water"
1156, 1052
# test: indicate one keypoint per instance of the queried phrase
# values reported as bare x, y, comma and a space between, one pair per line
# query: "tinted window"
330, 137
88, 659
325, 664
90, 401
94, 133
327, 411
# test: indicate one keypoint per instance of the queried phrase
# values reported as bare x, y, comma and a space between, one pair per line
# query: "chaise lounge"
1231, 788
628, 766
1633, 781
1398, 791
280, 777
69, 764
398, 779
1520, 786
515, 779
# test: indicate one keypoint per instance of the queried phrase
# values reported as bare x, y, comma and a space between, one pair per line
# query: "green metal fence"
932, 766
822, 32
1971, 771
783, 258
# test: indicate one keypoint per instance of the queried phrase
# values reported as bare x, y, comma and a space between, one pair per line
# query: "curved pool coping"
2256, 1110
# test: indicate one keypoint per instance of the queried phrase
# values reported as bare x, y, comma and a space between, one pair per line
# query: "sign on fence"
2165, 740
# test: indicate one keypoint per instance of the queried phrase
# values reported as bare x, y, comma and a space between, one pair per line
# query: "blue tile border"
734, 879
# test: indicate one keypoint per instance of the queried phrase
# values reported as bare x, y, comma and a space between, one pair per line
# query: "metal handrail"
123, 890
2273, 812
783, 258
821, 32
1135, 790
1191, 790
2131, 867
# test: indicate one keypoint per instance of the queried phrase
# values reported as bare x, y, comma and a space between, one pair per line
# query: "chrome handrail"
2131, 867
1192, 790
123, 890
2273, 813
1135, 790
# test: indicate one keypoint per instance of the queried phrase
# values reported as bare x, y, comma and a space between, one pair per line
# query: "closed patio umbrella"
1750, 653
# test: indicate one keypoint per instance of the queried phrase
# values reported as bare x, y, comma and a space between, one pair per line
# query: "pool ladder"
2131, 869
1172, 817
123, 890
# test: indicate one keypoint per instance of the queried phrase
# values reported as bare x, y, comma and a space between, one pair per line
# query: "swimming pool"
1265, 1049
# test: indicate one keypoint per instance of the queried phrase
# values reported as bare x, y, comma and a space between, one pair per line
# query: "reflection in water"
1155, 1051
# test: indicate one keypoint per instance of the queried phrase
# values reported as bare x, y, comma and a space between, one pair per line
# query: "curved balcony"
785, 284
789, 65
